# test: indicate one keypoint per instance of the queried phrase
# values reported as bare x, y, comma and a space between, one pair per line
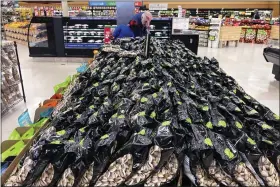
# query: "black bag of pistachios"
127, 161
104, 148
233, 163
50, 154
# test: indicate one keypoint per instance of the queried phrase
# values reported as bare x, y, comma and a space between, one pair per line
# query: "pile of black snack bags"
171, 119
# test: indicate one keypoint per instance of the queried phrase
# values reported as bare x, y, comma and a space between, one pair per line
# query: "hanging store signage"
101, 3
158, 6
138, 3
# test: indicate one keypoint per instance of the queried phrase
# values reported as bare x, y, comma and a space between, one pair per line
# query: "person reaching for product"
143, 20
123, 31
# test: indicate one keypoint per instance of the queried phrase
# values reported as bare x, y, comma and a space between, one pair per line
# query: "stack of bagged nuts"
268, 172
117, 172
221, 176
147, 168
46, 177
166, 173
87, 176
19, 176
203, 179
243, 175
67, 178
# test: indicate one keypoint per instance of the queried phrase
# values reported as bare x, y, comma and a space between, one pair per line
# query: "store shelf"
76, 29
9, 67
160, 30
86, 36
160, 36
6, 109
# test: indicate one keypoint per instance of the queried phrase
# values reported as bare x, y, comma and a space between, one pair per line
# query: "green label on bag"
155, 95
144, 99
238, 125
169, 84
179, 103
115, 87
160, 89
208, 142
209, 125
146, 84
177, 92
241, 101
237, 109
229, 154
205, 108
121, 116
266, 126
222, 123
81, 98
71, 141
166, 111
142, 113
253, 112
96, 84
247, 97
115, 115
91, 107
251, 141
60, 133
268, 141
276, 116
234, 91
166, 123
142, 132
153, 114
56, 142
79, 116
81, 142
104, 136
188, 120
95, 114
82, 129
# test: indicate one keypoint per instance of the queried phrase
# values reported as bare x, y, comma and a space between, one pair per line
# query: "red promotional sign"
107, 34
138, 3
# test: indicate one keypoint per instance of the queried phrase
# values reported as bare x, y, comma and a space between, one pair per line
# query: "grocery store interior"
55, 55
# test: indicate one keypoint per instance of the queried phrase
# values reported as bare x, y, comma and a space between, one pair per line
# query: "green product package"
13, 150
14, 135
39, 123
28, 134
63, 85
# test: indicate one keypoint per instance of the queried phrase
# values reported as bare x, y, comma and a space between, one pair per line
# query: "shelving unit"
11, 77
214, 33
161, 28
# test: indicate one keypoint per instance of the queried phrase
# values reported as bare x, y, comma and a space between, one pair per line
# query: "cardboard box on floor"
15, 162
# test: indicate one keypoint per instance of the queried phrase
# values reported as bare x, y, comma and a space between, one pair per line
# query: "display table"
190, 40
229, 33
255, 35
274, 32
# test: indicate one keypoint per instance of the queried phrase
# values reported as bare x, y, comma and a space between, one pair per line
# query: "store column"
64, 5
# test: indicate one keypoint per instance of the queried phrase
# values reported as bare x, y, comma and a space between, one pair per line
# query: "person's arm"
117, 32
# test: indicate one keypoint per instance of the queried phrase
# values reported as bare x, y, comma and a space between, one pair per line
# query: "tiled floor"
245, 63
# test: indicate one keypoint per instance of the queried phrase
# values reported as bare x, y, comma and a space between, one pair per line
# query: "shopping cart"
272, 54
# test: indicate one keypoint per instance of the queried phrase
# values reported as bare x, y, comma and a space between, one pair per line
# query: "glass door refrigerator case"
161, 28
84, 34
41, 37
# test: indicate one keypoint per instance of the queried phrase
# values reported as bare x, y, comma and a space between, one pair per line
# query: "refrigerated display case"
161, 28
81, 35
67, 36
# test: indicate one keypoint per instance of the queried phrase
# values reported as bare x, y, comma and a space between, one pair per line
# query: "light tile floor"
245, 63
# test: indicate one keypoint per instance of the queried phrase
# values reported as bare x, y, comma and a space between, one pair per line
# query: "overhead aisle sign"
158, 6
101, 3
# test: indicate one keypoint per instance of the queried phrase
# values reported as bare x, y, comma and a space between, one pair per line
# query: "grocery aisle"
245, 63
